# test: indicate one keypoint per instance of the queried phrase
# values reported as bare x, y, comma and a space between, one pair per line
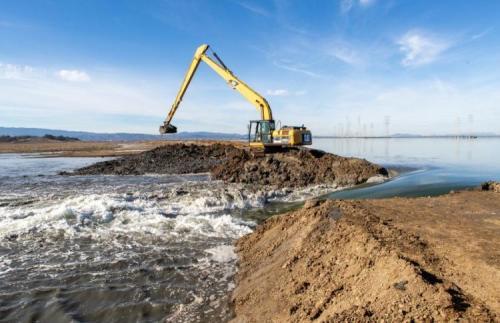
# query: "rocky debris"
293, 168
366, 265
491, 186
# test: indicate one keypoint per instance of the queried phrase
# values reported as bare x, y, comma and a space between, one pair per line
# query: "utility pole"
387, 123
471, 124
359, 126
458, 122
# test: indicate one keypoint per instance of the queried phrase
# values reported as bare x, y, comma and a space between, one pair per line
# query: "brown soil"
301, 167
294, 168
170, 159
399, 259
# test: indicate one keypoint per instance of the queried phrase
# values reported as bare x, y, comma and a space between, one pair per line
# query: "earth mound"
293, 168
169, 159
394, 260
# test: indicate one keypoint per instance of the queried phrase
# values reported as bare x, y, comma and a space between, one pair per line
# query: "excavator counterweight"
262, 133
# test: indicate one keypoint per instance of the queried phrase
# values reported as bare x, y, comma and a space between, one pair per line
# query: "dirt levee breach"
425, 259
294, 168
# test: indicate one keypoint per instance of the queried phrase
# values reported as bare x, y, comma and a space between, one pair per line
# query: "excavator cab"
263, 135
260, 132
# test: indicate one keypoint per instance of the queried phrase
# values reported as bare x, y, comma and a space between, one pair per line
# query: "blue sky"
339, 67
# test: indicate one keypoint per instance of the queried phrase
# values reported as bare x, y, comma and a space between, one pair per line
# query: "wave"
104, 215
163, 210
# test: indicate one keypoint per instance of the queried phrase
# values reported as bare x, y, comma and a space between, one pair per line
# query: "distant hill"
121, 136
6, 138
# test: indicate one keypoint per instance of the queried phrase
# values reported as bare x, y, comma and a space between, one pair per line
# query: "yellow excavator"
262, 134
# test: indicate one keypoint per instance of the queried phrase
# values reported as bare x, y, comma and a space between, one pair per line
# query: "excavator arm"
220, 68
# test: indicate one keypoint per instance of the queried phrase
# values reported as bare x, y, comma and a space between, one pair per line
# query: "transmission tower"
387, 123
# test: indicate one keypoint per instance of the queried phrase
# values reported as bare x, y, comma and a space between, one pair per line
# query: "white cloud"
366, 3
36, 96
286, 65
345, 54
26, 72
254, 9
406, 102
115, 102
481, 34
73, 76
278, 92
345, 6
420, 48
16, 72
284, 92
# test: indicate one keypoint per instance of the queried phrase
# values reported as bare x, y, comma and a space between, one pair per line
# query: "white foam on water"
302, 194
222, 253
377, 179
102, 214
182, 210
57, 225
225, 226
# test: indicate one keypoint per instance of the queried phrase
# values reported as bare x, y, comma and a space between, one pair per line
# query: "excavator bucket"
168, 128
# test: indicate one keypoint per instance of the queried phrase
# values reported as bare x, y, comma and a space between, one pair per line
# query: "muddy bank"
396, 259
295, 168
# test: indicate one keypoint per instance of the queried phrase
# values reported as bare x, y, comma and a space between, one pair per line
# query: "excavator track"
258, 152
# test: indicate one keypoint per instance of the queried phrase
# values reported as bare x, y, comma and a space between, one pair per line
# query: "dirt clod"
401, 285
312, 203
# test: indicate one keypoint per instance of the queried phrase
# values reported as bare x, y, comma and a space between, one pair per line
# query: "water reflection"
443, 164
481, 152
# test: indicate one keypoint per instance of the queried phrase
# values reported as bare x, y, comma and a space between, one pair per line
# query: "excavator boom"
167, 127
220, 68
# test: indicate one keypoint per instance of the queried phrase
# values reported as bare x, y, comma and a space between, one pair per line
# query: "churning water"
119, 248
154, 248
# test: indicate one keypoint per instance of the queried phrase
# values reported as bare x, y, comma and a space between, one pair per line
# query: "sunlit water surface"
153, 248
428, 166
114, 249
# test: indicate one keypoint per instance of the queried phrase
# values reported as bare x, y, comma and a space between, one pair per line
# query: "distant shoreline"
93, 148
406, 137
206, 135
